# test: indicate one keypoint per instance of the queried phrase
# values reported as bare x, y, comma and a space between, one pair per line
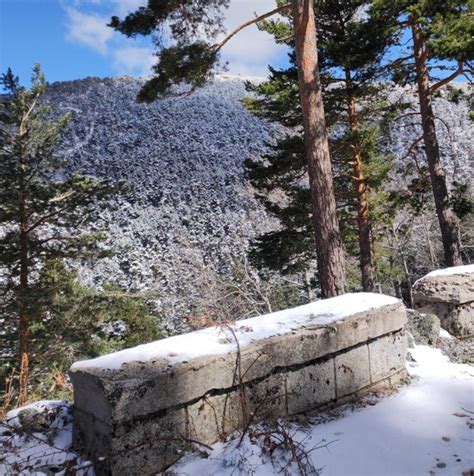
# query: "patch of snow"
424, 429
211, 341
444, 333
468, 269
25, 452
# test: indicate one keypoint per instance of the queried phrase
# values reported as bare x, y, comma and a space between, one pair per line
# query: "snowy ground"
424, 429
36, 439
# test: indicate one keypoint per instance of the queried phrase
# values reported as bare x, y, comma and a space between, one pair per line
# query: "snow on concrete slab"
422, 430
468, 269
214, 340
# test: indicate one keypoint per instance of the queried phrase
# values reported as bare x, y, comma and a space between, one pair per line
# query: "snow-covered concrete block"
448, 293
137, 409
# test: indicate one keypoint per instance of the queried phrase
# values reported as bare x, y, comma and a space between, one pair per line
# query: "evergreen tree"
43, 217
352, 43
193, 59
441, 31
73, 322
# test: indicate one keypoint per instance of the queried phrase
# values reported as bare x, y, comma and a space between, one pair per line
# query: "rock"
424, 328
33, 420
458, 350
448, 293
440, 286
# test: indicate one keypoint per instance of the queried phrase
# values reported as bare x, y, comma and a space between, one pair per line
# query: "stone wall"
136, 410
449, 294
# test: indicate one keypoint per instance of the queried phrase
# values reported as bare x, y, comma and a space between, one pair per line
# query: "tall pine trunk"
328, 240
23, 327
24, 320
446, 217
363, 223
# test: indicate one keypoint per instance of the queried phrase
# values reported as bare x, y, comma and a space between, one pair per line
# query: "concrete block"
139, 408
352, 371
311, 387
387, 356
455, 288
137, 388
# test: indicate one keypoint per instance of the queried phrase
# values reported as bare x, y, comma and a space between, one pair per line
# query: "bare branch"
411, 149
460, 70
260, 18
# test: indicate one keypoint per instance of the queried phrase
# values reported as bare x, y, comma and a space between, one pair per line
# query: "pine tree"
351, 46
73, 322
43, 211
440, 31
193, 60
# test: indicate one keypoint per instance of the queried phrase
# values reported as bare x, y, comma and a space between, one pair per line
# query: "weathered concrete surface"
138, 417
448, 296
453, 288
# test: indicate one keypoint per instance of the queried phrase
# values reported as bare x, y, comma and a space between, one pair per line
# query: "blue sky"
71, 40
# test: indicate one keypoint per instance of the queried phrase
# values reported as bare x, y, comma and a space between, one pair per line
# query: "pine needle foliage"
352, 43
46, 217
192, 25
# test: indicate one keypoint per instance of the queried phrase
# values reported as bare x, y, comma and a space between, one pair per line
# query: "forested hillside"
191, 210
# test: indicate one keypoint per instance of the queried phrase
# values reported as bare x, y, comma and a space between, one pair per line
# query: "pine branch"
460, 70
260, 18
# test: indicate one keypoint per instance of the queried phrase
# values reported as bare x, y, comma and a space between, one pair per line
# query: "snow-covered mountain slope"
191, 209
454, 130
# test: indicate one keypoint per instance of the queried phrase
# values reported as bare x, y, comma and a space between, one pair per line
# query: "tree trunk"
328, 241
446, 217
23, 327
434, 261
406, 269
363, 224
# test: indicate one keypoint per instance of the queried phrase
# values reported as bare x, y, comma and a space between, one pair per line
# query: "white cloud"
133, 60
89, 30
248, 53
251, 50
116, 7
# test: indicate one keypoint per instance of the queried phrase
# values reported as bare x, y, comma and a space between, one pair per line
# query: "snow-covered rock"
448, 293
36, 440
